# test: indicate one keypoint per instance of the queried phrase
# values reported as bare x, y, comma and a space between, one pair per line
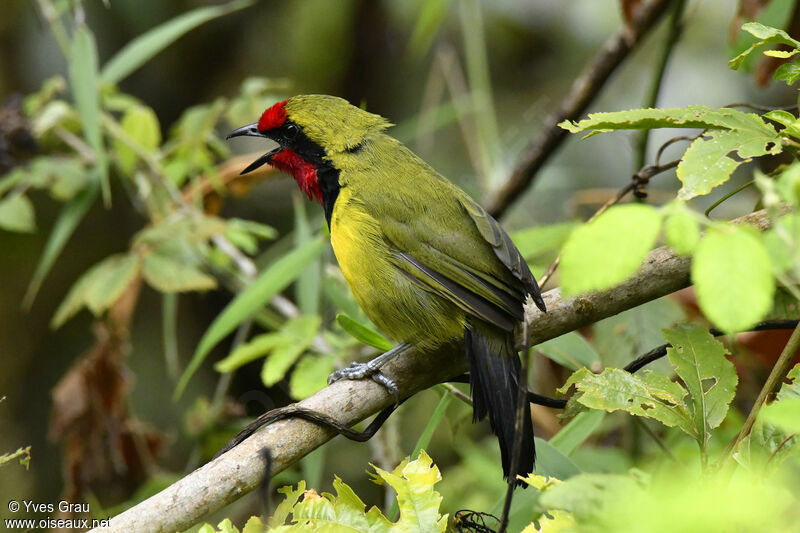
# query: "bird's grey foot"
363, 370
372, 369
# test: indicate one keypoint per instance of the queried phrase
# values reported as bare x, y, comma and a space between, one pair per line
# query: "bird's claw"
363, 370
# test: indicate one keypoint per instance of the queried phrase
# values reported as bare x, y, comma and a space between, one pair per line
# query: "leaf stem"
773, 382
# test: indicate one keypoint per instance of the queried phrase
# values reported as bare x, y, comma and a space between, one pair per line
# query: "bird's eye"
291, 132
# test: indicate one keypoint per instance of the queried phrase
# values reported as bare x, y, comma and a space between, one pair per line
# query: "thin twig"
770, 386
584, 90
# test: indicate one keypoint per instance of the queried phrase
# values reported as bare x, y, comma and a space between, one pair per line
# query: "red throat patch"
273, 117
303, 172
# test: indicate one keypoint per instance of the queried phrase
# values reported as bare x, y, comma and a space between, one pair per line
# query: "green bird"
425, 262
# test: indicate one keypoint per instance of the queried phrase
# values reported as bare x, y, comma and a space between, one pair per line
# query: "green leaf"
791, 388
16, 214
310, 375
784, 414
707, 162
110, 280
577, 431
272, 281
433, 422
298, 335
99, 287
682, 230
652, 396
363, 333
426, 28
141, 49
693, 116
283, 509
419, 504
86, 92
257, 229
609, 249
552, 462
788, 72
766, 35
571, 350
140, 123
308, 286
699, 359
69, 218
733, 278
168, 274
536, 241
255, 348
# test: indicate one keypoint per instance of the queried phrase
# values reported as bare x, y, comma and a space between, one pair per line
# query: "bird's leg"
372, 369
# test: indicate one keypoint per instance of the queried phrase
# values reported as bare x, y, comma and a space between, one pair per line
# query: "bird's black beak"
251, 130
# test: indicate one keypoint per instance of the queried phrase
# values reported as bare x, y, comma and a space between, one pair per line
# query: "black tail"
494, 369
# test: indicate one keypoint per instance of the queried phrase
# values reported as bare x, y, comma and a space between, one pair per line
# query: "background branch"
583, 91
227, 478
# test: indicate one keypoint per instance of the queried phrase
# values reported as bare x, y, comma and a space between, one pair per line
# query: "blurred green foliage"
127, 184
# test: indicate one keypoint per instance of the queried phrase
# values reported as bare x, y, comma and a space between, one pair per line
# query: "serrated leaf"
620, 338
766, 35
788, 72
363, 333
682, 231
85, 85
699, 359
609, 249
419, 502
168, 274
310, 375
140, 123
707, 162
571, 351
733, 278
269, 283
16, 214
617, 390
693, 116
283, 509
138, 51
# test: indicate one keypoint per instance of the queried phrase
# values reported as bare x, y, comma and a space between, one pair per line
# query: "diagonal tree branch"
583, 91
230, 476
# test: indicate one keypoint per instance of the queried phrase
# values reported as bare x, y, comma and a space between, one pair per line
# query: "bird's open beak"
251, 130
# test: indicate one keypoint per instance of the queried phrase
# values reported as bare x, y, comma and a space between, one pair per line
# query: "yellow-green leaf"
16, 214
610, 249
168, 274
141, 126
733, 278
